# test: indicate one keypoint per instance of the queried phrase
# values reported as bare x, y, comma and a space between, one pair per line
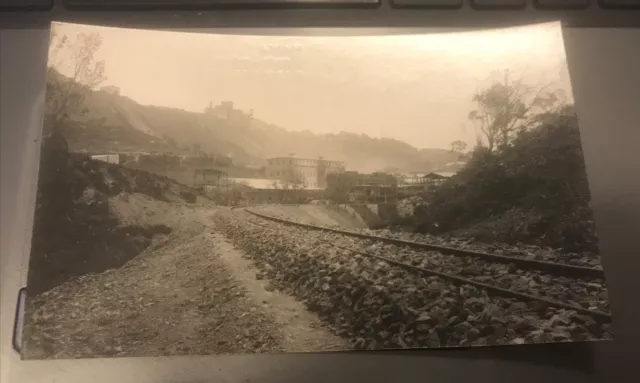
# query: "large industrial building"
308, 173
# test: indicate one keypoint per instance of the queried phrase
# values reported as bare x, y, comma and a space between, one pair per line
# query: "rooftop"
440, 175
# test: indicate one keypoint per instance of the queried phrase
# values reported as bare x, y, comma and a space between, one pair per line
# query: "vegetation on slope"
532, 190
74, 230
95, 120
113, 122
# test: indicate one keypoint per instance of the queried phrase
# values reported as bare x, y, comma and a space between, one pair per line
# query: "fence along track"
606, 317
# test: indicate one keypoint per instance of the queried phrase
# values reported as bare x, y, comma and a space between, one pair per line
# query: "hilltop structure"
226, 111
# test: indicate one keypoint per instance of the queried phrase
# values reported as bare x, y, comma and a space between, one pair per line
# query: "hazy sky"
415, 88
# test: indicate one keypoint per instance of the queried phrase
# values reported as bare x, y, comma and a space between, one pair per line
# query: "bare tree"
65, 95
280, 187
290, 187
506, 107
297, 181
297, 184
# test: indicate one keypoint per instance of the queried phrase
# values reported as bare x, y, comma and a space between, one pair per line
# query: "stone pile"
377, 305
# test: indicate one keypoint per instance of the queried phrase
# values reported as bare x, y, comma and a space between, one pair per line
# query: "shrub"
534, 190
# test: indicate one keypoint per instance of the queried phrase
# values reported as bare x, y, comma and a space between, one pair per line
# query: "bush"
74, 231
534, 191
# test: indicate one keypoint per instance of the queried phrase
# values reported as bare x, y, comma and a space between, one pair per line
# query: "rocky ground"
223, 281
589, 293
585, 259
376, 305
314, 214
190, 292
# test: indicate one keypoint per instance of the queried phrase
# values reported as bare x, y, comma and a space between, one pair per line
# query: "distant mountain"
112, 122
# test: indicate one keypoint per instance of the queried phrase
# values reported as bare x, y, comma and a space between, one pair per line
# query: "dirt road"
189, 293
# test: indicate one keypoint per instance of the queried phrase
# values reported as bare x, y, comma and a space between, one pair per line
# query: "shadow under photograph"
206, 194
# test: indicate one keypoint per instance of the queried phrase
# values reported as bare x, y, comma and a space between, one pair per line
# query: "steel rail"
507, 293
560, 269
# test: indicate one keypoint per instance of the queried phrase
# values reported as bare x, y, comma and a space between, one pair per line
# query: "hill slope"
79, 227
534, 191
116, 123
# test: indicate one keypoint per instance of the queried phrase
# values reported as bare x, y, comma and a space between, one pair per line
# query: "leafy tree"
505, 108
339, 186
534, 190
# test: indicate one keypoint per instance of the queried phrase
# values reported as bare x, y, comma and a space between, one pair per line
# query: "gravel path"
302, 330
186, 294
218, 284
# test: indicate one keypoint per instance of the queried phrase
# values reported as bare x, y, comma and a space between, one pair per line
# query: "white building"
311, 173
415, 178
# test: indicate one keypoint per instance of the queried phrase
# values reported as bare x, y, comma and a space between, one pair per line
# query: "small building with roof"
436, 178
209, 177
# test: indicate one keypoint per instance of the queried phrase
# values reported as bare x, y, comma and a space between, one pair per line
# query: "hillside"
111, 122
534, 191
81, 225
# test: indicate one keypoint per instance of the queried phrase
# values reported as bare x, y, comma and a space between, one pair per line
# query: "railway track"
460, 277
561, 269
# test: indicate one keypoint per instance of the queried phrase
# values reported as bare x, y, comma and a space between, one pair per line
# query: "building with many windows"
304, 172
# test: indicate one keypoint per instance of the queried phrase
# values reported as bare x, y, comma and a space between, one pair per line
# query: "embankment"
313, 214
76, 230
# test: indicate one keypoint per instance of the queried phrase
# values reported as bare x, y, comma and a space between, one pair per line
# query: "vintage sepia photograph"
204, 194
